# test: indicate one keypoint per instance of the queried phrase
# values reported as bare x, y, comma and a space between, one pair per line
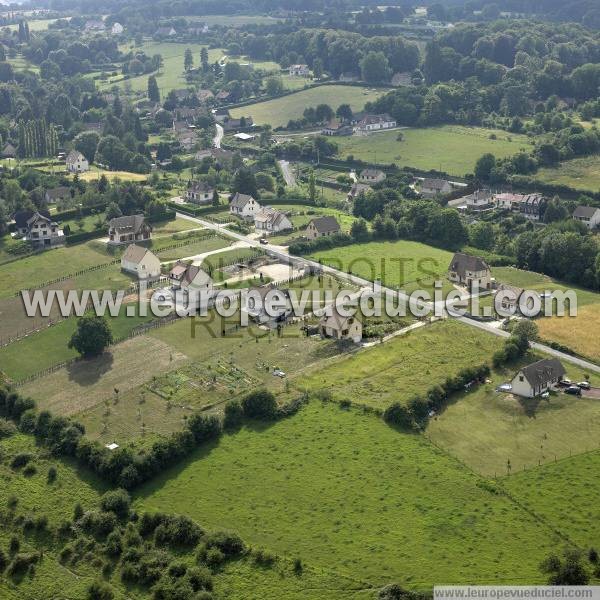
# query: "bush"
100, 590
98, 523
14, 545
116, 501
30, 470
52, 474
21, 460
398, 414
234, 415
6, 429
200, 578
264, 558
231, 544
21, 563
214, 557
260, 405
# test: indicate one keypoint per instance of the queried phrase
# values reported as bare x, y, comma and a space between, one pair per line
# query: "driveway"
287, 172
219, 136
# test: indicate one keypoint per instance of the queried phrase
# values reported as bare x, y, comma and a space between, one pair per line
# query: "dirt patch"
84, 384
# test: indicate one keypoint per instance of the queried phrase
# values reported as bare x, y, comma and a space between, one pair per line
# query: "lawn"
235, 20
171, 75
346, 492
450, 148
96, 172
42, 350
401, 265
578, 173
405, 366
485, 428
565, 494
279, 111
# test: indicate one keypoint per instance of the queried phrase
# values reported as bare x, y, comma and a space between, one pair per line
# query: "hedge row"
66, 437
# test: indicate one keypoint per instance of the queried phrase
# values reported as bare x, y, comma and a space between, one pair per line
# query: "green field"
235, 20
347, 492
279, 111
399, 369
564, 494
485, 428
578, 173
402, 265
450, 148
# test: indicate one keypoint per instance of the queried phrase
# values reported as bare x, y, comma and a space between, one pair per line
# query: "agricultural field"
355, 496
450, 148
567, 488
402, 265
577, 333
578, 173
235, 20
95, 173
171, 75
405, 366
279, 111
485, 429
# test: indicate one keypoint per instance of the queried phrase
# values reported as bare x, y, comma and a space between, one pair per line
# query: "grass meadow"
450, 148
402, 264
578, 173
279, 111
405, 366
485, 429
345, 491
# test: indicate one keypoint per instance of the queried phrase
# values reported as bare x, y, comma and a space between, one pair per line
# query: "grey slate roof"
543, 371
134, 223
326, 224
587, 212
461, 263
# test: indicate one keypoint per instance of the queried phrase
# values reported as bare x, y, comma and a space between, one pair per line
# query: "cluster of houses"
360, 124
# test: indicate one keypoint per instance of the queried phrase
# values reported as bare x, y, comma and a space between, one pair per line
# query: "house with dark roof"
537, 378
244, 206
588, 215
430, 188
139, 261
42, 232
76, 162
131, 228
322, 226
199, 192
53, 195
533, 207
9, 151
371, 123
339, 327
470, 271
189, 277
336, 127
275, 299
356, 190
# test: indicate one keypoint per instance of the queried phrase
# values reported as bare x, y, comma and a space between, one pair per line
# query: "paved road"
282, 254
287, 172
217, 139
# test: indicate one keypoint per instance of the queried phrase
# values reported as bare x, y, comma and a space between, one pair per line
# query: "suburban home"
9, 151
230, 124
204, 95
199, 193
508, 201
374, 123
371, 175
220, 156
338, 327
188, 277
268, 220
42, 232
510, 304
299, 70
139, 261
77, 162
223, 95
165, 32
533, 207
430, 188
117, 29
53, 195
588, 215
470, 271
280, 304
335, 127
537, 378
244, 206
322, 226
356, 190
97, 25
132, 228
220, 114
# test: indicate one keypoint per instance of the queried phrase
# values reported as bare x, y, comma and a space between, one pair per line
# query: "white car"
278, 373
584, 385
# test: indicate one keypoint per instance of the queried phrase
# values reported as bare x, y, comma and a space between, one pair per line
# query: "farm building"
536, 378
139, 261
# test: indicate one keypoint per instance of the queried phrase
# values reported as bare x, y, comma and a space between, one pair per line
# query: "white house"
132, 228
299, 70
117, 29
43, 232
508, 201
188, 277
471, 271
536, 378
588, 215
199, 193
268, 220
338, 327
434, 187
77, 162
371, 176
139, 261
244, 206
374, 123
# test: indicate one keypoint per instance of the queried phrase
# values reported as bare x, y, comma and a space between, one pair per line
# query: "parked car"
584, 385
565, 382
280, 373
263, 241
574, 390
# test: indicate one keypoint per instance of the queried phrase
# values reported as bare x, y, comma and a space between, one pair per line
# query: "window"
521, 378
